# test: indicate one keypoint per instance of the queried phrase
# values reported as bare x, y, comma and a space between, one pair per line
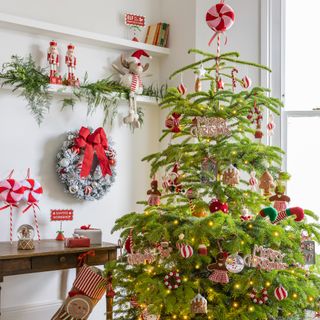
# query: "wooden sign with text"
135, 20
61, 215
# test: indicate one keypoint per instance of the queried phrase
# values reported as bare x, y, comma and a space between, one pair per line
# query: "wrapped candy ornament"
11, 193
32, 194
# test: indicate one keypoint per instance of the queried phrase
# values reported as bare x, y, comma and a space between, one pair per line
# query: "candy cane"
11, 224
36, 221
234, 80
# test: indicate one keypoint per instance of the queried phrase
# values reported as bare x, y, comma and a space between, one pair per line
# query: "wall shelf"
59, 90
64, 32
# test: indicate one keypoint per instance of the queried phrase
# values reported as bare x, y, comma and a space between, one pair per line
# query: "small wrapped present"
95, 235
77, 241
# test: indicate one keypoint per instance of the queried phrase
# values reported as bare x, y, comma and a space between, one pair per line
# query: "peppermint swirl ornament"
280, 293
186, 251
220, 18
11, 193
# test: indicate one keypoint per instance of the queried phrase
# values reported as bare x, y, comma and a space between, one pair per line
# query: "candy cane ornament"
32, 194
11, 193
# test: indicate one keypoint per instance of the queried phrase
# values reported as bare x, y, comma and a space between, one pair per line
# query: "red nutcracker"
71, 62
54, 62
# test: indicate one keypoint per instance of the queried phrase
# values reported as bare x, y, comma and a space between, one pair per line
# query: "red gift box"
77, 242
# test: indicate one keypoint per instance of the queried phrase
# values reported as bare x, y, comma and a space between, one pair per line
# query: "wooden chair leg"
1, 280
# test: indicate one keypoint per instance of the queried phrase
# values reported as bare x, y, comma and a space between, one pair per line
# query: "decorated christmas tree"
216, 239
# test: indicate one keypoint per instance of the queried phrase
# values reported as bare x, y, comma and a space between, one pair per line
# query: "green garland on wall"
24, 75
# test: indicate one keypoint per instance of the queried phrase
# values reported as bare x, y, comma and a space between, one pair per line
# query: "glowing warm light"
175, 221
295, 296
242, 242
251, 282
211, 223
235, 304
310, 299
251, 309
197, 266
174, 317
237, 285
250, 226
276, 234
268, 284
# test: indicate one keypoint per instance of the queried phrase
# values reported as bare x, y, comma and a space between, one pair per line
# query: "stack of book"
158, 34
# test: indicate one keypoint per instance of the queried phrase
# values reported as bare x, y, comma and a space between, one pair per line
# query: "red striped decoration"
186, 251
280, 293
90, 283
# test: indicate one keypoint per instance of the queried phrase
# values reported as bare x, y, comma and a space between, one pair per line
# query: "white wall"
31, 146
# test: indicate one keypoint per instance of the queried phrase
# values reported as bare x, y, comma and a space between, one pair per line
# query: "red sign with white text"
61, 215
135, 20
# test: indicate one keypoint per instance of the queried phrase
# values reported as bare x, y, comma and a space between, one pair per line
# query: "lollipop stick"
36, 222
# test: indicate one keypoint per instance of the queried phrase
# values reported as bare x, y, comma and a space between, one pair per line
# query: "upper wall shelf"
54, 30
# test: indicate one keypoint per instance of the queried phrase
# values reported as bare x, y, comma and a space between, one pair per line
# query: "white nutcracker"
71, 62
53, 60
133, 80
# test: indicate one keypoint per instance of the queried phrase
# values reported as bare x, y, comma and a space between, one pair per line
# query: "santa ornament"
133, 80
32, 194
11, 193
54, 62
71, 62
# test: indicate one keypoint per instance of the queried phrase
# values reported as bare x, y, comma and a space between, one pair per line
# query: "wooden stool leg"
109, 308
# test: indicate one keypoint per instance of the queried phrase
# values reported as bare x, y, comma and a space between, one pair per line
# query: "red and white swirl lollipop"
11, 192
220, 18
32, 194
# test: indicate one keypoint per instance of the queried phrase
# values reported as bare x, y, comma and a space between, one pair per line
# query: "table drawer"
15, 266
100, 258
55, 262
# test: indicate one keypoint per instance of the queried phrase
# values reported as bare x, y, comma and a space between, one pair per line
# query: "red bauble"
216, 205
280, 293
258, 134
186, 251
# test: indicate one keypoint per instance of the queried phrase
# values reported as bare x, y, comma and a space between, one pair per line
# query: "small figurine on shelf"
132, 80
25, 235
154, 194
54, 62
71, 62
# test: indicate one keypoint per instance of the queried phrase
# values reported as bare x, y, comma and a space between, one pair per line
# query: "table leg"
109, 307
1, 280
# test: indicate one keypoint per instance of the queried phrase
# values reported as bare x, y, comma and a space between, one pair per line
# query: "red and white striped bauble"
186, 251
88, 190
246, 82
280, 293
220, 17
32, 190
11, 191
182, 88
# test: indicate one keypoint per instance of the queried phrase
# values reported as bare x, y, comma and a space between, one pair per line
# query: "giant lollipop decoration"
220, 18
11, 192
32, 193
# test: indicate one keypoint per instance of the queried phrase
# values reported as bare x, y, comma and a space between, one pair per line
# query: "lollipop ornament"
11, 193
32, 194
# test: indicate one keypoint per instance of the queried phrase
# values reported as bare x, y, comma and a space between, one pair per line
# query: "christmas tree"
217, 241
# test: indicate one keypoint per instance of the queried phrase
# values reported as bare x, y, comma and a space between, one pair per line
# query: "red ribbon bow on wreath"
97, 143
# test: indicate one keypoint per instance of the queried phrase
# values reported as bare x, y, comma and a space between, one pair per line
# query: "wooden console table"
50, 255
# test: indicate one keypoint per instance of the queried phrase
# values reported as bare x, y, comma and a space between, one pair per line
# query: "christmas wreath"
86, 164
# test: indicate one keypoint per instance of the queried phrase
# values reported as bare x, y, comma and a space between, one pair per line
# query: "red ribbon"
30, 206
97, 143
9, 206
82, 257
110, 292
87, 227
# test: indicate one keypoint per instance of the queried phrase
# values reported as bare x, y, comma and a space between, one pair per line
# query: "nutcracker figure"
133, 81
71, 62
53, 59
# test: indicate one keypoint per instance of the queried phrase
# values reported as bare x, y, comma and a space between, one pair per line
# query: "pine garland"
23, 74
